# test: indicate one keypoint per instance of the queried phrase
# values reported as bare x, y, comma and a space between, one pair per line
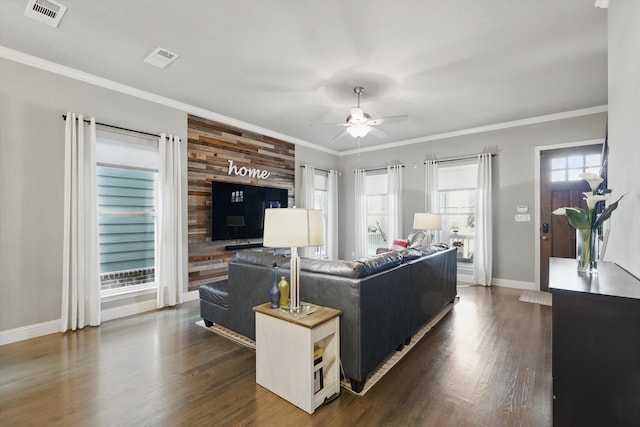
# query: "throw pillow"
399, 245
416, 239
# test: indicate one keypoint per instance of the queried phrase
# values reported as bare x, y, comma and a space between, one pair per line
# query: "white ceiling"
285, 64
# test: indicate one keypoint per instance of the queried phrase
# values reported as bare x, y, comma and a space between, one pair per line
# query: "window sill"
128, 292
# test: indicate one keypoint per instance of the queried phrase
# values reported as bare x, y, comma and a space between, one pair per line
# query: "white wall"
624, 133
32, 102
513, 180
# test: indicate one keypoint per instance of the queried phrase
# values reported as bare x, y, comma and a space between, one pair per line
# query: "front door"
560, 186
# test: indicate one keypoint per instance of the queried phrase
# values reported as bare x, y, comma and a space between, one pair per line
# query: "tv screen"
237, 210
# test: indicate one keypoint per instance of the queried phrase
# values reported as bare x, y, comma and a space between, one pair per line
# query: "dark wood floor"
487, 363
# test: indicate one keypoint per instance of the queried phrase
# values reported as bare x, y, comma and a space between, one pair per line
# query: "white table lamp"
294, 228
428, 222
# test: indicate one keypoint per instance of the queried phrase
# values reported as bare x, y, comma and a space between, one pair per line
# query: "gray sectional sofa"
384, 299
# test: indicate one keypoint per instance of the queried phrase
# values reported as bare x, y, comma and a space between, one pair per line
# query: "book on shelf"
318, 352
318, 380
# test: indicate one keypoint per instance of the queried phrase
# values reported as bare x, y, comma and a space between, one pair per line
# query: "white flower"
592, 199
560, 211
593, 180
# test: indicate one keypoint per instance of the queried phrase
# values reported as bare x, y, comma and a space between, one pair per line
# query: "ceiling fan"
359, 124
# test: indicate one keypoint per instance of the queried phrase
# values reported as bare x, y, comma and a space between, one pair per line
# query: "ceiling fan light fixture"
358, 131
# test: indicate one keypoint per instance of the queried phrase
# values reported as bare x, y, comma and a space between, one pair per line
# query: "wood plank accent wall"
211, 146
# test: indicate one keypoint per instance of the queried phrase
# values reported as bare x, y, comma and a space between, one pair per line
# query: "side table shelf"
285, 356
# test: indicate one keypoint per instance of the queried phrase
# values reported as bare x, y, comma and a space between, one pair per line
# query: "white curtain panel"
482, 243
431, 192
431, 186
80, 276
308, 200
332, 220
394, 201
169, 266
360, 210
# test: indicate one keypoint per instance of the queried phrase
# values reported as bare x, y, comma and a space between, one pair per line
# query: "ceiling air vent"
160, 57
45, 11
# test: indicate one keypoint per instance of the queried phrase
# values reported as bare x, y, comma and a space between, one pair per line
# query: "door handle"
545, 237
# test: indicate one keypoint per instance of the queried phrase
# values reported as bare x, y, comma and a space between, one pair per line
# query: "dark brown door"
560, 187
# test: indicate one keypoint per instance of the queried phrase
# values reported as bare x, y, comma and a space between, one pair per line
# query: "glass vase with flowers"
587, 222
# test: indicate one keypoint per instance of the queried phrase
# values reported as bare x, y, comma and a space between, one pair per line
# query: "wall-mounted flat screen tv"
237, 210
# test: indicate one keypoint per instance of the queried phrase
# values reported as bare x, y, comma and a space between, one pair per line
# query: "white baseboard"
516, 284
127, 310
141, 307
53, 326
29, 331
465, 279
190, 296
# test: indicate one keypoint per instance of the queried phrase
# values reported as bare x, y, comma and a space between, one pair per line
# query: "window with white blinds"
127, 193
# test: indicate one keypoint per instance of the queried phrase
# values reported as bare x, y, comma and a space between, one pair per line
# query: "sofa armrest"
248, 286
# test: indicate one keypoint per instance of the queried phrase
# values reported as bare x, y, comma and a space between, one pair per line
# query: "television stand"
242, 246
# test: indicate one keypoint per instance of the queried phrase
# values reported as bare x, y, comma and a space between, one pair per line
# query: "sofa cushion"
354, 269
258, 257
410, 254
334, 267
439, 247
380, 262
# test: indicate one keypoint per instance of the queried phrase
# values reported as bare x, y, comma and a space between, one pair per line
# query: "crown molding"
73, 73
53, 67
482, 129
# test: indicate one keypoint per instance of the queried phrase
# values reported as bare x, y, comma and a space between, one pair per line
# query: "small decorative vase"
284, 292
587, 251
274, 293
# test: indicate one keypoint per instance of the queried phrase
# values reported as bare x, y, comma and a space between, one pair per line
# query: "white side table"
285, 346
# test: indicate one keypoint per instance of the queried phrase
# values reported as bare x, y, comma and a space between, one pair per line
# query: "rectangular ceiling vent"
45, 11
160, 57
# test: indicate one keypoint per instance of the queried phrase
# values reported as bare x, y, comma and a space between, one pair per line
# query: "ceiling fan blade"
389, 119
329, 124
377, 132
340, 135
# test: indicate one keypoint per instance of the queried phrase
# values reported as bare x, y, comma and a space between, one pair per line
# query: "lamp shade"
427, 221
292, 227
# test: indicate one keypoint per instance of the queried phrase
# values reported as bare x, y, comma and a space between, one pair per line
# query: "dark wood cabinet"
595, 346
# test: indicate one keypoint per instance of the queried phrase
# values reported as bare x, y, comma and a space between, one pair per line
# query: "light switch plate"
523, 217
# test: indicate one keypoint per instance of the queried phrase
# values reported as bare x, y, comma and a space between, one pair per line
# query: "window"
126, 224
321, 201
377, 211
127, 167
457, 203
569, 168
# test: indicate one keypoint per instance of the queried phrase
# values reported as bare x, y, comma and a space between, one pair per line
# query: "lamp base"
303, 309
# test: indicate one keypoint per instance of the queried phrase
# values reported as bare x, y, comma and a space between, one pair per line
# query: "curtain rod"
64, 117
455, 159
375, 169
318, 169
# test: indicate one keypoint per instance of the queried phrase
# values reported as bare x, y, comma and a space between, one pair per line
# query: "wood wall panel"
210, 147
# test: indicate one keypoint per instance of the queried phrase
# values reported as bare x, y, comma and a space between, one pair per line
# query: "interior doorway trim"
536, 174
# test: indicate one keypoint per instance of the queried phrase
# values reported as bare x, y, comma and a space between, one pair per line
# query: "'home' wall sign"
245, 171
